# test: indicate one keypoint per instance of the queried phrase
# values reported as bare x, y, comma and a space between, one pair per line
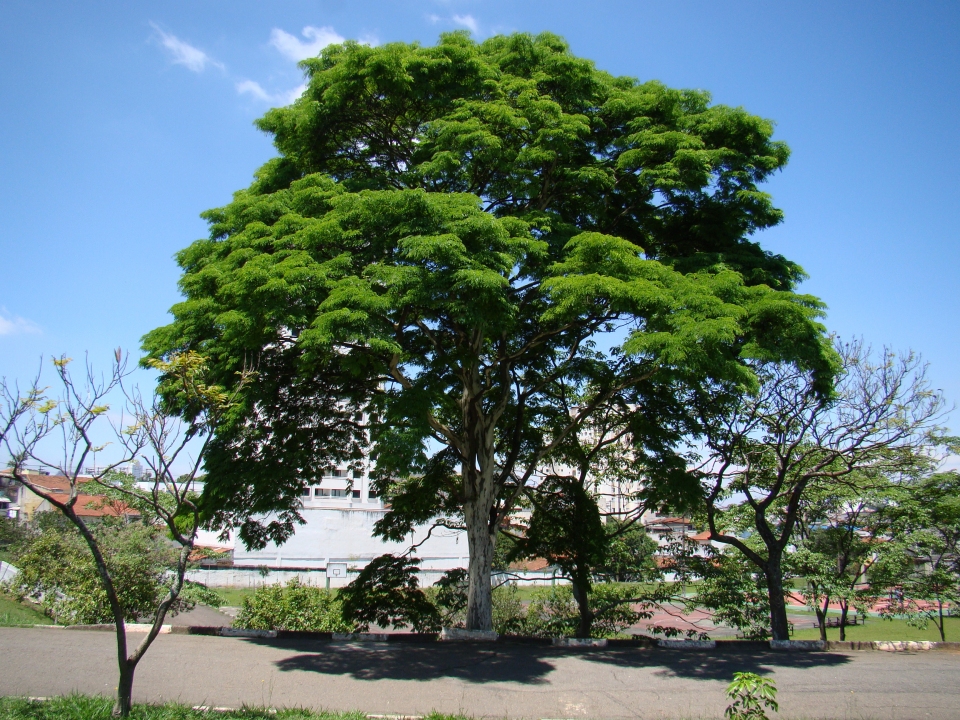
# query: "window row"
341, 473
327, 492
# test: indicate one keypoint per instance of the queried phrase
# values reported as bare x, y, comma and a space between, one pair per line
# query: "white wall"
346, 536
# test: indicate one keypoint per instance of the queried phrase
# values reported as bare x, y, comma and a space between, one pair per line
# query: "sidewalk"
479, 680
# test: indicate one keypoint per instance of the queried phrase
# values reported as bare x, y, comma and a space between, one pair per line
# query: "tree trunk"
480, 542
585, 625
779, 628
124, 700
844, 607
943, 637
822, 617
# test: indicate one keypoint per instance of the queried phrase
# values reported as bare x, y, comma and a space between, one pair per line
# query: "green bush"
58, 570
554, 613
293, 607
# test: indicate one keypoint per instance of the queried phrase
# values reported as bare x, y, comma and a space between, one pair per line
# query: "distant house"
8, 508
90, 505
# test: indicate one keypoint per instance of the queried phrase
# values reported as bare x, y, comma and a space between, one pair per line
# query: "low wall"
252, 577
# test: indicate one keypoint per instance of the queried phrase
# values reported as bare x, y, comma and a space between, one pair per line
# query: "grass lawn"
6, 556
878, 629
82, 707
17, 613
233, 596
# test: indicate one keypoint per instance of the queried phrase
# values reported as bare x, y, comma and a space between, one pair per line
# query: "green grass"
18, 613
84, 707
879, 629
233, 596
6, 556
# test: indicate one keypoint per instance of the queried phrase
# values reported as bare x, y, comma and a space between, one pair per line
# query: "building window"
338, 473
372, 493
321, 492
357, 474
306, 492
356, 494
337, 493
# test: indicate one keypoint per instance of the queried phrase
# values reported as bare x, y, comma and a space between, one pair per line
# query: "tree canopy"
437, 261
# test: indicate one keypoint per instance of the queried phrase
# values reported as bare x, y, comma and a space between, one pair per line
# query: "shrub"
292, 607
387, 592
57, 569
509, 617
554, 613
750, 695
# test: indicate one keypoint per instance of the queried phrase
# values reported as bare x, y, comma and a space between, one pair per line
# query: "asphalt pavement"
494, 680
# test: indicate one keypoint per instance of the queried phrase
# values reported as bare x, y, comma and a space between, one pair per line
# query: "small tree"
839, 532
920, 568
762, 452
34, 422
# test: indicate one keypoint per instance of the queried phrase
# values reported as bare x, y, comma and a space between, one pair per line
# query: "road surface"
497, 681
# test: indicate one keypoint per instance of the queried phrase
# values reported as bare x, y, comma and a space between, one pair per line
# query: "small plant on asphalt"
751, 696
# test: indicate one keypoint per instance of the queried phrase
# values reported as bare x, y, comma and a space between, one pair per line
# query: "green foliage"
920, 568
750, 697
13, 612
387, 593
509, 615
727, 584
566, 529
292, 607
449, 595
12, 532
473, 211
631, 555
85, 707
194, 593
57, 569
554, 612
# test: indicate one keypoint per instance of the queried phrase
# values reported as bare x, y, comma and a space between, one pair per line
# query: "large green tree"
430, 262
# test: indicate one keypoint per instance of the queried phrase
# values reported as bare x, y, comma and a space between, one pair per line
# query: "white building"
340, 512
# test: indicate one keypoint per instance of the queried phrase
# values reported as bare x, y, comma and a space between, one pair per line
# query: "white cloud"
15, 325
467, 21
252, 87
184, 53
296, 49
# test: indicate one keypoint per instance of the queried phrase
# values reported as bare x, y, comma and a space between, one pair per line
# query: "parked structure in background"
90, 506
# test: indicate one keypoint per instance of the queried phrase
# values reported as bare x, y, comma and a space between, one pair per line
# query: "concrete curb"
129, 627
579, 642
687, 644
797, 645
461, 635
241, 633
361, 637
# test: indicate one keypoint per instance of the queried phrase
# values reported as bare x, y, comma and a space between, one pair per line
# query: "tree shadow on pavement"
718, 664
363, 661
525, 664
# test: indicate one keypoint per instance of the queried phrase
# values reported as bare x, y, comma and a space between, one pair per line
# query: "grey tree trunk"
480, 542
844, 608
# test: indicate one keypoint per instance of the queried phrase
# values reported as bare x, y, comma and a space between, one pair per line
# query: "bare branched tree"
34, 423
761, 452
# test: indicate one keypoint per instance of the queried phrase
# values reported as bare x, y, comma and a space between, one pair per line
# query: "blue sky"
122, 121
